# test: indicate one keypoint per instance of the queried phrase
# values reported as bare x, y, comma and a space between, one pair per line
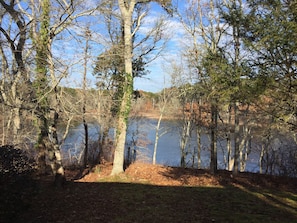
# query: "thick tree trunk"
119, 154
124, 110
42, 144
16, 124
41, 43
56, 158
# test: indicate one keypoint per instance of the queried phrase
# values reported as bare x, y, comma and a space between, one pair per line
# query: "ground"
176, 176
150, 193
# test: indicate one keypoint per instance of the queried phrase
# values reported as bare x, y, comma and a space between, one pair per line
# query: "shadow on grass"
251, 196
39, 201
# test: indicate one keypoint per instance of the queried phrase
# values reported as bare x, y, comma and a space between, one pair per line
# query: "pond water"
141, 136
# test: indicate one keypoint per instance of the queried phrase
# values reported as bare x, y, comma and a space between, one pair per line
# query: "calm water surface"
141, 136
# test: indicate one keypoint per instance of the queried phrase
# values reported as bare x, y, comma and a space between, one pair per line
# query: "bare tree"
165, 98
15, 81
86, 57
202, 24
45, 27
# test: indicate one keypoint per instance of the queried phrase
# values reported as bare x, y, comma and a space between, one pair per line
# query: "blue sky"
159, 69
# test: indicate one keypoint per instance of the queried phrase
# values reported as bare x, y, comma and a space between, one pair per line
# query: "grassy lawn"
124, 199
144, 203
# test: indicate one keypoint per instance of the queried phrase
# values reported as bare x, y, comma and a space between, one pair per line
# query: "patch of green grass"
118, 199
147, 203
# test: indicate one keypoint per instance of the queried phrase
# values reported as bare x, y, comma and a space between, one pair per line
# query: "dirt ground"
168, 193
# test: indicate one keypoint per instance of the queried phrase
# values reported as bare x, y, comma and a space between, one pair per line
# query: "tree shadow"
267, 190
29, 200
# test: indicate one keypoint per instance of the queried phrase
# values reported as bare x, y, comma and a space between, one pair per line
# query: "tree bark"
229, 146
86, 150
236, 139
124, 110
157, 138
213, 134
57, 166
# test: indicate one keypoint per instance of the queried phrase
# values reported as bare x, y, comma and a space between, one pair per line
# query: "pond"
141, 137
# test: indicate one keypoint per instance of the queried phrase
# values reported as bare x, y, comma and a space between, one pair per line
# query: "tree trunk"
124, 110
41, 43
86, 143
244, 147
213, 134
184, 142
88, 35
237, 74
157, 138
56, 160
119, 153
236, 139
16, 124
42, 145
261, 159
103, 144
198, 133
57, 169
229, 147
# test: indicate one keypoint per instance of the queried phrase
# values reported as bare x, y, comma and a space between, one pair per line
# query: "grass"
142, 202
119, 199
200, 204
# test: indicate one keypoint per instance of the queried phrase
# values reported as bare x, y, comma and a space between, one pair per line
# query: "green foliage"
70, 91
219, 81
270, 35
109, 65
110, 69
127, 92
118, 95
272, 32
150, 95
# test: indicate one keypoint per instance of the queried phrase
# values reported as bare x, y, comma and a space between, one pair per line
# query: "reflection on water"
141, 136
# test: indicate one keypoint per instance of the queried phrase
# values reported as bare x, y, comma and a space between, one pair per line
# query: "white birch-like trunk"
184, 142
157, 138
261, 159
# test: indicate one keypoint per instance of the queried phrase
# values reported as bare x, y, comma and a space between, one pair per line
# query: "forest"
225, 70
233, 77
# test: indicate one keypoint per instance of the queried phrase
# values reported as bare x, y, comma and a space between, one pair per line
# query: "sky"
158, 76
